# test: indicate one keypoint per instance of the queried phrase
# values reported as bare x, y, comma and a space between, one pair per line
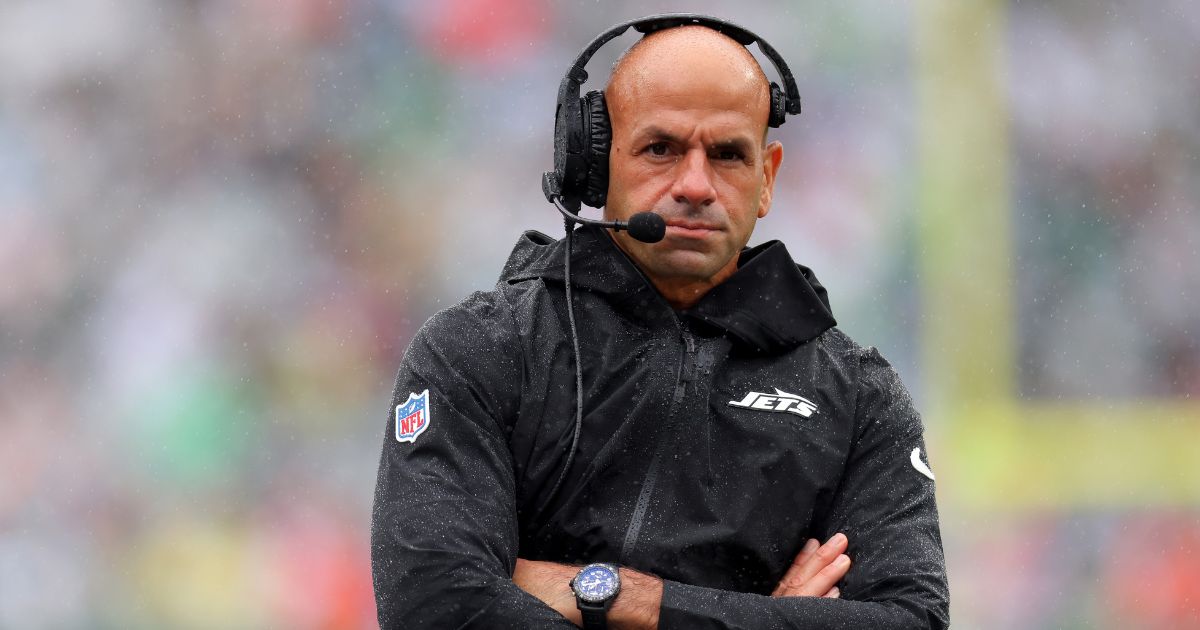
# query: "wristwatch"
595, 587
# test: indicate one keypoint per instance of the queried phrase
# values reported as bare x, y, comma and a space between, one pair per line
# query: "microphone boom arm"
643, 226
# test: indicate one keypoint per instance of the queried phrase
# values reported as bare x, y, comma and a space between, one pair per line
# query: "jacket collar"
770, 305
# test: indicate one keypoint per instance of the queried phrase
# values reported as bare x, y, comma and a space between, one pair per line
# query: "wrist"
596, 588
637, 605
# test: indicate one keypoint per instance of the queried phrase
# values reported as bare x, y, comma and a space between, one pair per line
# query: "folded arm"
885, 505
444, 525
814, 573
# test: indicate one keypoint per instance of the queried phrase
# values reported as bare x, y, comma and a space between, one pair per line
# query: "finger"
794, 571
823, 557
827, 578
806, 552
833, 593
798, 577
820, 583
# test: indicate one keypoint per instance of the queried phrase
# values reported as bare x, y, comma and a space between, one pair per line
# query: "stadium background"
221, 221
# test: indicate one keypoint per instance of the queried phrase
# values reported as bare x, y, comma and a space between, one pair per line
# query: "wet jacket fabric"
671, 476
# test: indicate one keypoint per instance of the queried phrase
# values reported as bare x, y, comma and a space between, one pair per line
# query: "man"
728, 427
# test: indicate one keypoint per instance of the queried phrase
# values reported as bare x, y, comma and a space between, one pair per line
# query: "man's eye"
658, 148
729, 155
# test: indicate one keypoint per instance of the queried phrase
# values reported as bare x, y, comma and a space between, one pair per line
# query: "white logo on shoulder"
921, 466
779, 401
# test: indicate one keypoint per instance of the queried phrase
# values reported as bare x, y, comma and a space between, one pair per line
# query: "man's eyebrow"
737, 144
659, 134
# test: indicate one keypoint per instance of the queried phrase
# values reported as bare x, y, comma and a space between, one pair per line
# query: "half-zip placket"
687, 374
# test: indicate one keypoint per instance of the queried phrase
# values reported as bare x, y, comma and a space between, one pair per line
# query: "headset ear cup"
597, 140
778, 106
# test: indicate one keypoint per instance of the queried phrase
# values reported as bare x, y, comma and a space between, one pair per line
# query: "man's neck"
682, 293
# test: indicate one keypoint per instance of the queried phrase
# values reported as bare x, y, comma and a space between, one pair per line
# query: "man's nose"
693, 180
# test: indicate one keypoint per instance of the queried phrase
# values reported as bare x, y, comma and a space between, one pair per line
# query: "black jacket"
735, 491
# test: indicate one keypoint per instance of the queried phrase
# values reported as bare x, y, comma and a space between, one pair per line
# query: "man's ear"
772, 158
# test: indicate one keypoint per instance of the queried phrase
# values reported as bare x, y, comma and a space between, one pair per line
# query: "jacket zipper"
687, 374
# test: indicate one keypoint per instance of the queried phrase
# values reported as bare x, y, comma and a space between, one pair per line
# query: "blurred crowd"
1106, 130
221, 221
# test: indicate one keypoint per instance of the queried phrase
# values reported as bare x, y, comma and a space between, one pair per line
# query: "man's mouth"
681, 228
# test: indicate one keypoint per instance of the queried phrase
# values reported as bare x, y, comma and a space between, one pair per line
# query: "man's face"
688, 144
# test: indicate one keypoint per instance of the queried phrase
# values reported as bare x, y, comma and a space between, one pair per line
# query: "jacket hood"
769, 305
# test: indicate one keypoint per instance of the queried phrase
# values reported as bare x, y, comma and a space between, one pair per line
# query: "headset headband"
582, 132
576, 76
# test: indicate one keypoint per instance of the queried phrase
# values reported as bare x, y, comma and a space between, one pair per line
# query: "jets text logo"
779, 401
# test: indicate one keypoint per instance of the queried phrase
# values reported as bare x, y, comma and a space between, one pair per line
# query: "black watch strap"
595, 616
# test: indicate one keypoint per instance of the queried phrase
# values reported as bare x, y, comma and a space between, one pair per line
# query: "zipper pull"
689, 357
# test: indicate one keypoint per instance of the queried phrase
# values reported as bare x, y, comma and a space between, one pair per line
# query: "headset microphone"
646, 227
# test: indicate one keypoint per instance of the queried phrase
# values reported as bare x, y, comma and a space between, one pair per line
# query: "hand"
551, 583
816, 570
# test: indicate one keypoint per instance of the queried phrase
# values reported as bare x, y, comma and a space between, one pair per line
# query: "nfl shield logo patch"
412, 417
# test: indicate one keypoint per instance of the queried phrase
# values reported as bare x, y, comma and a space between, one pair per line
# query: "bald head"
688, 57
688, 109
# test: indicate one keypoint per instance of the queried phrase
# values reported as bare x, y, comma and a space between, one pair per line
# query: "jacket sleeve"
444, 526
885, 505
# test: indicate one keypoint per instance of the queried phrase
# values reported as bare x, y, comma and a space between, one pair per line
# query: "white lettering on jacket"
779, 402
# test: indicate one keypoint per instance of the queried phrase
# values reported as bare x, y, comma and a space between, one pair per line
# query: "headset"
582, 138
583, 133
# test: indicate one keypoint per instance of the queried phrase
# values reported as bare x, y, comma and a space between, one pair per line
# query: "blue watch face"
596, 583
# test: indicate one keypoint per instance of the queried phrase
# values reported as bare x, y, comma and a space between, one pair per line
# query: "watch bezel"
616, 589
